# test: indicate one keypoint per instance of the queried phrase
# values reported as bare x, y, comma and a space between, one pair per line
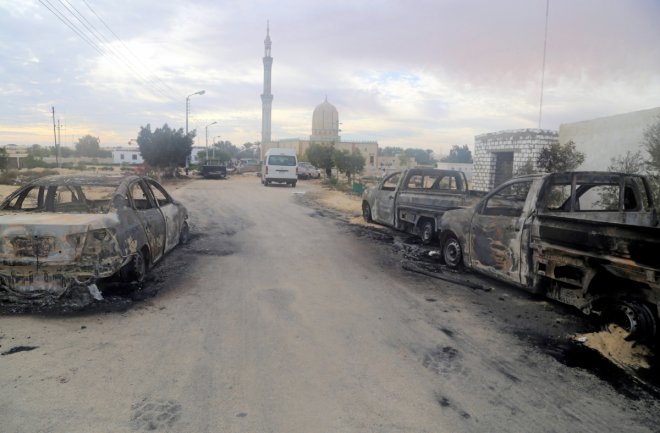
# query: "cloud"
422, 73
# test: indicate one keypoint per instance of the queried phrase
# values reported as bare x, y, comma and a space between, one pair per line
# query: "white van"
280, 165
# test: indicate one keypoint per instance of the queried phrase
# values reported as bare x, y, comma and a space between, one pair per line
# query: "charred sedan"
61, 235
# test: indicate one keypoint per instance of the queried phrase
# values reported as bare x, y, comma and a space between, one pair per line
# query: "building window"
134, 157
371, 160
121, 156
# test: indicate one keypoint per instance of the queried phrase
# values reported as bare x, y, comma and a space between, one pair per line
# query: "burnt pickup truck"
413, 200
587, 239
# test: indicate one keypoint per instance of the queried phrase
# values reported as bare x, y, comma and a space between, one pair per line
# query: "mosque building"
325, 125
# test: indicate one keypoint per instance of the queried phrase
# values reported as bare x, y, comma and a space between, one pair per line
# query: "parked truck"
587, 239
414, 200
213, 169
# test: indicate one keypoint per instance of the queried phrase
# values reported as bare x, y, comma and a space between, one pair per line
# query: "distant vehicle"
61, 235
414, 200
308, 171
280, 166
213, 169
248, 165
586, 239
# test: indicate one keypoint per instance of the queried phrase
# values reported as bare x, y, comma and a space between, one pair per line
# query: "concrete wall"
608, 137
526, 145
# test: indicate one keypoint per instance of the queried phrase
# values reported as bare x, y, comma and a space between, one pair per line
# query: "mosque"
325, 125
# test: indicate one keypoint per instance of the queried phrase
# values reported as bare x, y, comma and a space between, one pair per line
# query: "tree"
422, 157
348, 162
459, 154
560, 157
651, 141
320, 155
38, 151
224, 150
88, 146
4, 158
250, 150
164, 147
390, 151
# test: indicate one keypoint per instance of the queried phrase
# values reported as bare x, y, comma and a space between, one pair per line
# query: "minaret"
266, 97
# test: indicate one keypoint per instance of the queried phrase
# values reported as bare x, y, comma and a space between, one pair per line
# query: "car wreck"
60, 236
414, 200
587, 239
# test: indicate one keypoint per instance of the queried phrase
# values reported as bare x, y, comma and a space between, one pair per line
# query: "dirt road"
283, 317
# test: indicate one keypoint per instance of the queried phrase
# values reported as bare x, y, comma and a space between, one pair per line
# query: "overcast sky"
409, 73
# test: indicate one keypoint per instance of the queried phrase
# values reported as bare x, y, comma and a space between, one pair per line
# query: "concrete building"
127, 155
500, 155
608, 137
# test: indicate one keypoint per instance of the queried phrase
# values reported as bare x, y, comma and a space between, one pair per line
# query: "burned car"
62, 235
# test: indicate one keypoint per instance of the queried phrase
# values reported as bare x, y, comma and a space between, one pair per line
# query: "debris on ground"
612, 344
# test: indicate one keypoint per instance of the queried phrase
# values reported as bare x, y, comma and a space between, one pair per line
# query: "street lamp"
201, 92
207, 139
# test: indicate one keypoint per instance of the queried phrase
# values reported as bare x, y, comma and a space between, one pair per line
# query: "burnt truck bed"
639, 244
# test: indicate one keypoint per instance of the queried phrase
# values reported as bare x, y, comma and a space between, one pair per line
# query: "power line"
110, 52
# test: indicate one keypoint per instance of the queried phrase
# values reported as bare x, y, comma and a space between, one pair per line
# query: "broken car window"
141, 199
390, 183
29, 199
508, 200
159, 194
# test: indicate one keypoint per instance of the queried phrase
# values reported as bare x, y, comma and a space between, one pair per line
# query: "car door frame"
151, 220
171, 213
384, 200
496, 236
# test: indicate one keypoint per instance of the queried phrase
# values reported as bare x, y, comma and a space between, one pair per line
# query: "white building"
126, 155
608, 137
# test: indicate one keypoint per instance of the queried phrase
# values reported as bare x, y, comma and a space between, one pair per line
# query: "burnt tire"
427, 231
135, 271
366, 212
635, 317
184, 235
452, 253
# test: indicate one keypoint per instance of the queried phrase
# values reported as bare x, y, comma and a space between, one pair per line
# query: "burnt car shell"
66, 238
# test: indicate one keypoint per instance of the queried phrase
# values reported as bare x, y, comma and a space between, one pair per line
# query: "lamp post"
207, 139
201, 92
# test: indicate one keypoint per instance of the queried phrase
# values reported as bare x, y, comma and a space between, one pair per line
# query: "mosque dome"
325, 122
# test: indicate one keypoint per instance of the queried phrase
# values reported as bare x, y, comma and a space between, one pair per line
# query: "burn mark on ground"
636, 386
17, 349
446, 403
210, 245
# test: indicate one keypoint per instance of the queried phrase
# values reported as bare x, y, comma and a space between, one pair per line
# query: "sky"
409, 73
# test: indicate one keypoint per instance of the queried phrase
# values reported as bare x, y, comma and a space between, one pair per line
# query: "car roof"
81, 179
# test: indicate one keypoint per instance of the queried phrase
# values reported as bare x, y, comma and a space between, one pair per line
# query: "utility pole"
57, 150
59, 139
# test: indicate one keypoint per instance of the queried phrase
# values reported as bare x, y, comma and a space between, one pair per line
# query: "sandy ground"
282, 316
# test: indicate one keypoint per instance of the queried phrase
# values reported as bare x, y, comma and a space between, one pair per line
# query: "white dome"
325, 122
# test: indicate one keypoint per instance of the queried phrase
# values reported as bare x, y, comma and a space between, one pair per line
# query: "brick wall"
526, 145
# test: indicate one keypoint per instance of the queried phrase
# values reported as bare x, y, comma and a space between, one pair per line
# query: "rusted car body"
60, 235
588, 239
413, 200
